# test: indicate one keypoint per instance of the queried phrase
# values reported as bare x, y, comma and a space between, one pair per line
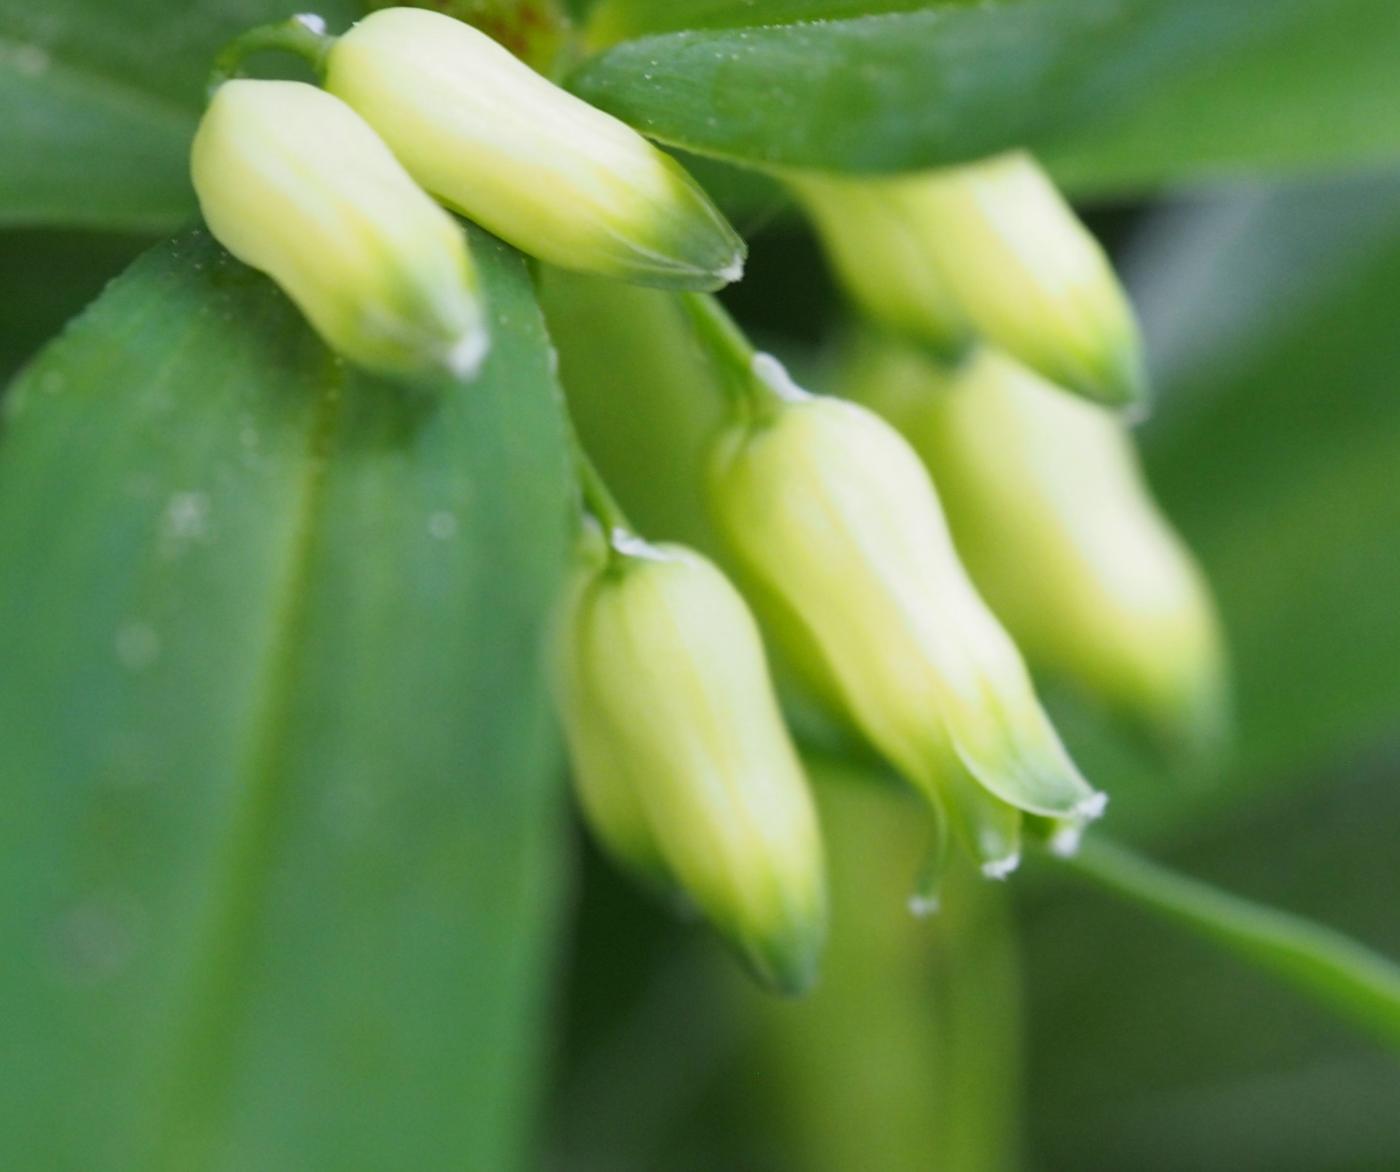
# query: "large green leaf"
280, 843
612, 20
1275, 449
1112, 92
98, 102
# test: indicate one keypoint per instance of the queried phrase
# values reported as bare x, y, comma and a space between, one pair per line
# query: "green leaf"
1338, 972
75, 266
1158, 1053
615, 20
99, 101
281, 846
1270, 319
1113, 93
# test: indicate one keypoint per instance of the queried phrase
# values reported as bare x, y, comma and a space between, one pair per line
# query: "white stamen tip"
923, 906
466, 356
773, 374
1001, 868
1092, 807
310, 20
1064, 843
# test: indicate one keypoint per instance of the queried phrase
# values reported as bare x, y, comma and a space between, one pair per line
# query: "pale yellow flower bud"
540, 168
835, 521
878, 253
1052, 514
997, 240
292, 182
682, 762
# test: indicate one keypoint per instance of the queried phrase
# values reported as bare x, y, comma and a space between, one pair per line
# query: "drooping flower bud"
682, 762
540, 168
997, 241
292, 182
835, 521
1051, 513
879, 255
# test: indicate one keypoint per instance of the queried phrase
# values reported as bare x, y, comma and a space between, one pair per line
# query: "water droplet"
442, 525
95, 940
137, 646
29, 60
186, 517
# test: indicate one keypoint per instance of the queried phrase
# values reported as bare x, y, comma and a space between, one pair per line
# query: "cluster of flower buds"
987, 250
1052, 515
836, 524
825, 513
292, 182
324, 189
682, 763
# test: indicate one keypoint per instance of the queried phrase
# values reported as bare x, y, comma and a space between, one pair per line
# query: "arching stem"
303, 36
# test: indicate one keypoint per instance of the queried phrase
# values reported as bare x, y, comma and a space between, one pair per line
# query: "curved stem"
597, 498
1332, 968
733, 354
303, 35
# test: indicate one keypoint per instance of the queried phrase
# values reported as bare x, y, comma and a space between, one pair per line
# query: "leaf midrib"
203, 1051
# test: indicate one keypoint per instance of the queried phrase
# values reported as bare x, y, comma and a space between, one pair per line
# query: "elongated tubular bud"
876, 252
998, 241
834, 518
681, 754
292, 182
537, 166
1052, 514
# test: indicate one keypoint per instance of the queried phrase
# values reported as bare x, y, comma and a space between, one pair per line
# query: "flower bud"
540, 168
875, 248
997, 240
832, 516
1051, 512
292, 182
681, 759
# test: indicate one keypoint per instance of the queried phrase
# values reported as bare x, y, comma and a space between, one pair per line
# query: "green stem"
1335, 970
303, 36
597, 498
726, 344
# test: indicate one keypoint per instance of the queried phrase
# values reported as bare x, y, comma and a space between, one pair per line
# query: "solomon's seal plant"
450, 453
292, 182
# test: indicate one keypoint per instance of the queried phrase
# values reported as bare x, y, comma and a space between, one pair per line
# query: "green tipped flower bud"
549, 173
1052, 514
997, 240
682, 763
832, 516
292, 182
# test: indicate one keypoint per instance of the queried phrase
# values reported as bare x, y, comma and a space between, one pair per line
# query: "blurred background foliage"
1240, 161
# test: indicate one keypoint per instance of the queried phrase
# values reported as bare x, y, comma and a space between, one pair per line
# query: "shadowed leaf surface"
281, 858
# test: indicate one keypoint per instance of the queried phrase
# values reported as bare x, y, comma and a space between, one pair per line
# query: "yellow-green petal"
294, 183
537, 166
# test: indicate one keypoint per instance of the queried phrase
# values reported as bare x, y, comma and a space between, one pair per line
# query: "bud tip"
1092, 807
1064, 843
921, 907
465, 357
1001, 868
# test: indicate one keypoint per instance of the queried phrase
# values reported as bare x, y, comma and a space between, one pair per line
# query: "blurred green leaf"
1349, 978
1157, 1055
72, 267
280, 857
613, 20
99, 101
1275, 449
1113, 93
